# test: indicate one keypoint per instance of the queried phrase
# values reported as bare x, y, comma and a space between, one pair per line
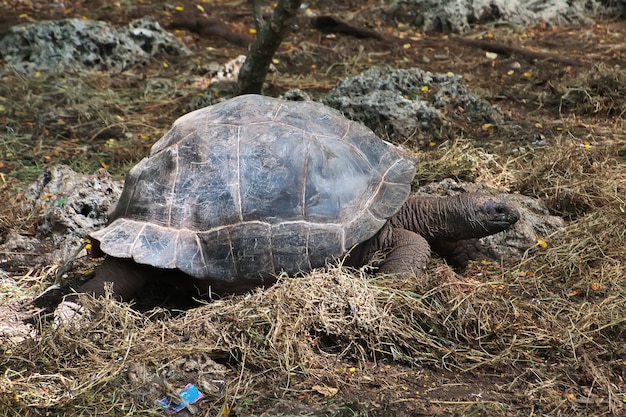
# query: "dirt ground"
538, 336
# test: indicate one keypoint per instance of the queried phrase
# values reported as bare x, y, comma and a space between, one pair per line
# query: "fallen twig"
512, 50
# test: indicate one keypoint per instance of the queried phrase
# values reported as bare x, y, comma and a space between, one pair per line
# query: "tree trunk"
255, 68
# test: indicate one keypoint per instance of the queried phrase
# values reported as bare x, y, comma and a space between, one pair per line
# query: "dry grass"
553, 322
598, 91
84, 121
550, 326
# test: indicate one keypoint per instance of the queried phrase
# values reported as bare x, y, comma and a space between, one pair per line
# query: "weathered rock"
18, 249
148, 34
85, 45
69, 206
389, 101
13, 326
229, 71
14, 311
457, 16
616, 7
296, 95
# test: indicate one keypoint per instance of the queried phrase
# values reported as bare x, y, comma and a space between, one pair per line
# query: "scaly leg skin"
459, 253
407, 253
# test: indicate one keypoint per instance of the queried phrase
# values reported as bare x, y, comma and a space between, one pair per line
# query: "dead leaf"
325, 391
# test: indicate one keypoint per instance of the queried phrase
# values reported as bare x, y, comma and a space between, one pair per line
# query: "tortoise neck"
435, 217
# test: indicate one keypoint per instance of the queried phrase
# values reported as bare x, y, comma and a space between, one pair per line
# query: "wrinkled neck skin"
436, 218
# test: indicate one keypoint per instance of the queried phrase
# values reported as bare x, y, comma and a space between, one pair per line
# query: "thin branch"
258, 15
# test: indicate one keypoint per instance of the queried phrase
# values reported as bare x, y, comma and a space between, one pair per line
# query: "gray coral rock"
457, 16
69, 206
19, 249
402, 102
85, 45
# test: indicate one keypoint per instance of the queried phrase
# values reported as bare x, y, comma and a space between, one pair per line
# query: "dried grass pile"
554, 322
551, 325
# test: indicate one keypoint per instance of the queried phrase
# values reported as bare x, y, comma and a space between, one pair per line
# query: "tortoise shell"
253, 186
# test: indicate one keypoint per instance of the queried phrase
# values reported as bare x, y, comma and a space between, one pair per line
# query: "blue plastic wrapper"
190, 394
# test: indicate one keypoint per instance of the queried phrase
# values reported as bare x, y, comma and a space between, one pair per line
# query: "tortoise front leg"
126, 276
404, 251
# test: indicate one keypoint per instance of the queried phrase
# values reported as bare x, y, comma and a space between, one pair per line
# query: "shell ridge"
158, 147
355, 148
345, 134
205, 264
201, 260
176, 247
373, 196
223, 227
278, 109
304, 175
238, 196
390, 168
173, 188
382, 181
132, 245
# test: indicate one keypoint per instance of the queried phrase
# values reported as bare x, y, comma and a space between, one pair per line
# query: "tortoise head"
490, 214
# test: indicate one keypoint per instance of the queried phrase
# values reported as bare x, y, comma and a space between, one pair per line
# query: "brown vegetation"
543, 335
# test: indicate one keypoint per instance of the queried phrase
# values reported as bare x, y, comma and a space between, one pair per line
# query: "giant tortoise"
238, 192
